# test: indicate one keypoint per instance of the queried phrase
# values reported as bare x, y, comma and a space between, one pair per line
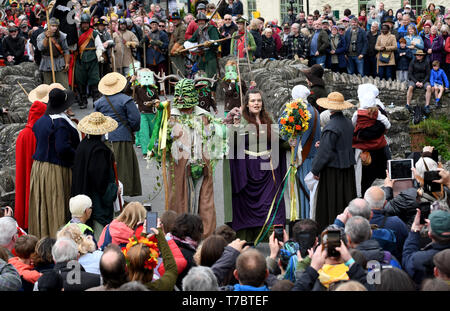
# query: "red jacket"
192, 27
447, 50
364, 121
25, 148
120, 233
179, 258
26, 271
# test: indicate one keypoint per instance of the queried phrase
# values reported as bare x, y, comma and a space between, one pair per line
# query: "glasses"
227, 19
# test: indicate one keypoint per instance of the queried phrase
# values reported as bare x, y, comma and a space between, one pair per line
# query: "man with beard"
207, 56
227, 30
108, 44
156, 43
124, 41
176, 44
14, 47
61, 54
89, 54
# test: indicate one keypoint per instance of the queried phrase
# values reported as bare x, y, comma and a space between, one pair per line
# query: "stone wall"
277, 78
14, 99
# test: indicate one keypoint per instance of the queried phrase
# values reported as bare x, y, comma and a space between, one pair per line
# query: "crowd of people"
71, 176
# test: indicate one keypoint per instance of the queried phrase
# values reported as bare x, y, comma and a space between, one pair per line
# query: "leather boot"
83, 97
95, 93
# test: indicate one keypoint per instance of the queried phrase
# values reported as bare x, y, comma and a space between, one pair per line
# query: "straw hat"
56, 85
420, 52
112, 83
40, 93
334, 101
97, 124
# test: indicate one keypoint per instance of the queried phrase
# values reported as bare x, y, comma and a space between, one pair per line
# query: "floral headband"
152, 244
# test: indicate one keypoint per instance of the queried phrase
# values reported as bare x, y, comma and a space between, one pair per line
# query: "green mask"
186, 96
230, 73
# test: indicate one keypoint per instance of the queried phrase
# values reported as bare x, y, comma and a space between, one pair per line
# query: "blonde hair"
72, 231
352, 286
305, 32
267, 30
254, 24
133, 214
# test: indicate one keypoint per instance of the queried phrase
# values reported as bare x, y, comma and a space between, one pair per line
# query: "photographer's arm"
305, 281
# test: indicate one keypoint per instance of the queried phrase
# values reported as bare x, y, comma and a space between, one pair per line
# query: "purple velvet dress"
253, 190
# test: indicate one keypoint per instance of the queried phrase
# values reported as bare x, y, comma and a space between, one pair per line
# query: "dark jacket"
33, 41
291, 49
361, 41
308, 280
188, 253
224, 32
395, 224
437, 48
56, 141
14, 47
419, 263
340, 52
335, 145
372, 250
317, 91
238, 8
232, 94
419, 71
268, 48
225, 265
404, 60
371, 42
258, 40
87, 280
403, 205
323, 42
126, 108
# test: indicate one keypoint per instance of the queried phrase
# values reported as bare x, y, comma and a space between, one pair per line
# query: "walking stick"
145, 44
26, 93
113, 57
50, 47
134, 69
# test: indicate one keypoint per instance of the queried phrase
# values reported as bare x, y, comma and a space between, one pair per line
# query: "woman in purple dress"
257, 170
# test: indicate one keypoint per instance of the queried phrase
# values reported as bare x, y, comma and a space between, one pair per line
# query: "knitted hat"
97, 124
78, 204
440, 223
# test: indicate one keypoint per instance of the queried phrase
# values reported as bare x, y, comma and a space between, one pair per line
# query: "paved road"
149, 172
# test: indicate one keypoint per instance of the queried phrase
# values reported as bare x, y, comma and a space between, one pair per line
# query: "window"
251, 7
417, 6
297, 5
364, 5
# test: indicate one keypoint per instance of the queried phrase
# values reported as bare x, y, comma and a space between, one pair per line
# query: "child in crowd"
438, 79
403, 58
24, 248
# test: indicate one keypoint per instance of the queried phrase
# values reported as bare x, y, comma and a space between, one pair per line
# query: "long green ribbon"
285, 181
157, 127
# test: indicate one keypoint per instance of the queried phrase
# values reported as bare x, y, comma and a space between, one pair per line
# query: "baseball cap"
440, 223
408, 6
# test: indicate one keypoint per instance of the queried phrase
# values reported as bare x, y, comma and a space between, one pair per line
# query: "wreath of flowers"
294, 119
152, 244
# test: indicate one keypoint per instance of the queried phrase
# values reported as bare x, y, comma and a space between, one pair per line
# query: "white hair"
358, 229
200, 279
8, 228
65, 249
373, 203
78, 204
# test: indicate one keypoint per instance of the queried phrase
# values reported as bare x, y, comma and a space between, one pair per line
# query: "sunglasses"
227, 19
161, 26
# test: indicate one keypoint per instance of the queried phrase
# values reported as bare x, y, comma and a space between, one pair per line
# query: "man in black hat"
108, 44
61, 54
88, 57
205, 33
176, 44
14, 47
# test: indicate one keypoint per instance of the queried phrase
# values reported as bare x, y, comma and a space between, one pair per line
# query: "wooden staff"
134, 69
206, 43
113, 57
50, 47
26, 93
165, 181
143, 33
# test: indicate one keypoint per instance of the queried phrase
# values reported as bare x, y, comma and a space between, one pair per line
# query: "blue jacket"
56, 141
403, 61
419, 263
153, 55
403, 31
126, 108
340, 52
438, 77
248, 288
238, 8
395, 224
361, 41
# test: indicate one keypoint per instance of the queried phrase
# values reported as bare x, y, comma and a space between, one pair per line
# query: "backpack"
385, 237
108, 240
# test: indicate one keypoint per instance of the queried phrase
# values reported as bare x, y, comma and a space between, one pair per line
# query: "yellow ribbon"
163, 129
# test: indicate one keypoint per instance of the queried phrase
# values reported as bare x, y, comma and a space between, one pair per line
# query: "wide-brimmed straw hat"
40, 93
112, 83
97, 124
420, 52
334, 101
59, 101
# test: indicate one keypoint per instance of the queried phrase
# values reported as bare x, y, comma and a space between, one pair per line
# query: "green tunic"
86, 67
208, 62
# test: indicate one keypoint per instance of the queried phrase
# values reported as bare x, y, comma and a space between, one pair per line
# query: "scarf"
241, 43
333, 273
187, 240
62, 115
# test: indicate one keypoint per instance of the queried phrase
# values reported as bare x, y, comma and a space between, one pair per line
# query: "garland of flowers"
151, 243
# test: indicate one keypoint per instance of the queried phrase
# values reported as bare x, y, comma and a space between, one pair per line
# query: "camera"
353, 46
279, 232
430, 186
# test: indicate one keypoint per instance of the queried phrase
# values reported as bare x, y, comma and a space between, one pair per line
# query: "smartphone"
306, 241
425, 211
152, 220
251, 244
429, 185
279, 232
400, 169
333, 240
